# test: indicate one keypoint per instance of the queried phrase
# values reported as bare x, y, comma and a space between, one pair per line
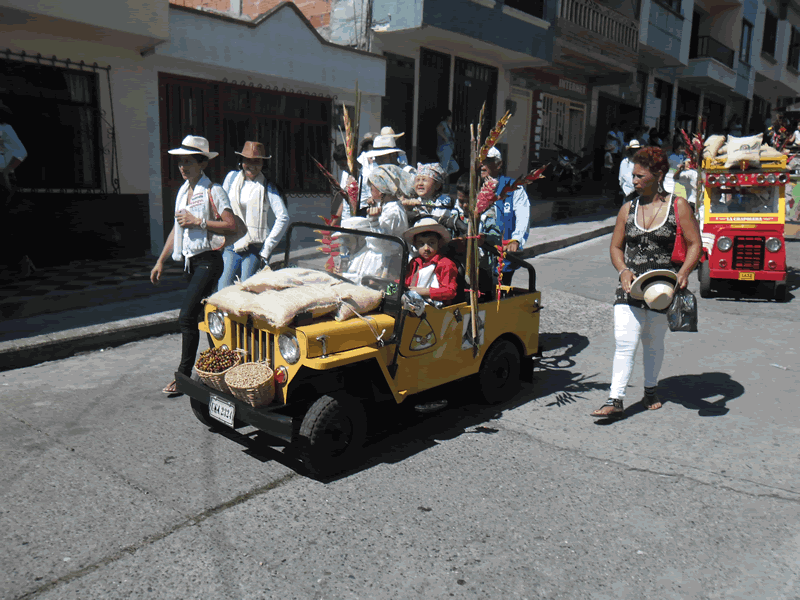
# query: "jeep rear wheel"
498, 378
331, 434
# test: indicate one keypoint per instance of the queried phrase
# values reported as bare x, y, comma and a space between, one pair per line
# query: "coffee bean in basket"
216, 360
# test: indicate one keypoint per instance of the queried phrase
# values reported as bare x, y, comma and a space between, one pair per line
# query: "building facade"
99, 97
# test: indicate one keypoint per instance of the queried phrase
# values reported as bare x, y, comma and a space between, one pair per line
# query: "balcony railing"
708, 47
601, 20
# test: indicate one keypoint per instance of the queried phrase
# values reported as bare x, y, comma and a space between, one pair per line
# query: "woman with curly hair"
643, 241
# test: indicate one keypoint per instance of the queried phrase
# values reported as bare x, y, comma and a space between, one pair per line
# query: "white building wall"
282, 52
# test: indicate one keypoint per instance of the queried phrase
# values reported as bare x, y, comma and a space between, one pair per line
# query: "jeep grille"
255, 342
748, 253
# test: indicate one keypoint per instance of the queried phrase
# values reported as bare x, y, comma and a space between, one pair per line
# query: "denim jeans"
244, 264
632, 324
446, 161
204, 270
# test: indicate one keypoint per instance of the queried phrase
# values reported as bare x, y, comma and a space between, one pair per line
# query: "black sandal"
617, 412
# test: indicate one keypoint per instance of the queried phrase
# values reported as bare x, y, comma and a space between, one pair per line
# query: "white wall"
146, 18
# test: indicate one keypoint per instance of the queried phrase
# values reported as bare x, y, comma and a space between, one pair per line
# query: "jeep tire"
499, 376
332, 432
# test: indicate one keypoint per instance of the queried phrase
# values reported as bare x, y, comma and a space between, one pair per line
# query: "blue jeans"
446, 161
244, 264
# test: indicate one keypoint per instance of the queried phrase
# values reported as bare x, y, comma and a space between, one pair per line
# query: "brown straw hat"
253, 150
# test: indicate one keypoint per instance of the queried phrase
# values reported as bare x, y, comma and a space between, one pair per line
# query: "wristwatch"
203, 224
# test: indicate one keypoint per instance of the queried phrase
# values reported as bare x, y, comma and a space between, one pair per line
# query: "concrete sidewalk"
102, 320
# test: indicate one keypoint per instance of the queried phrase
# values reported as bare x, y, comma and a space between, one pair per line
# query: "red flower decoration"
487, 196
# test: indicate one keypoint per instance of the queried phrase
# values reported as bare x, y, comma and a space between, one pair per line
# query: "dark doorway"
434, 99
473, 84
686, 111
397, 106
714, 113
609, 111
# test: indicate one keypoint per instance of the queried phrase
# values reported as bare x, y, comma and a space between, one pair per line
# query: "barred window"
293, 127
58, 119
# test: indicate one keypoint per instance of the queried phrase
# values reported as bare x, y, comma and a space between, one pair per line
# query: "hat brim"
637, 288
409, 234
246, 156
383, 151
184, 152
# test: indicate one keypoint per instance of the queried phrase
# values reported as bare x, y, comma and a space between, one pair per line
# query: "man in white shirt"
626, 170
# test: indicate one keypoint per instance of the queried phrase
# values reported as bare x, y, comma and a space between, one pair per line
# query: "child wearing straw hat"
431, 274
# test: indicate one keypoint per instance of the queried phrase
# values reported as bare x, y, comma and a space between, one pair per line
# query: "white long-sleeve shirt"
626, 176
248, 204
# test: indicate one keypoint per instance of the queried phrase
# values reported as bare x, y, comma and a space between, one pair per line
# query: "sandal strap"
615, 402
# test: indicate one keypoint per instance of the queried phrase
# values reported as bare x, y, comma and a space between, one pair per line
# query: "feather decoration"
494, 136
329, 176
487, 196
349, 142
522, 181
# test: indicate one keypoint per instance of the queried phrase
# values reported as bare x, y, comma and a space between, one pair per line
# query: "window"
562, 123
293, 127
794, 50
64, 103
746, 41
770, 34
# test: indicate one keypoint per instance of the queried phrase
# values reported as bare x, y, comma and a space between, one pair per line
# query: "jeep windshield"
360, 256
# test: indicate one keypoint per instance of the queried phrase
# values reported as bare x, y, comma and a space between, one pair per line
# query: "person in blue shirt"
513, 212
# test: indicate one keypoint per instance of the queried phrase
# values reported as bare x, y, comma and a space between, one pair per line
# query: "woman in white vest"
251, 197
201, 210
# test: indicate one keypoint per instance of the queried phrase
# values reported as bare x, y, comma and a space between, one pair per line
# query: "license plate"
744, 276
221, 410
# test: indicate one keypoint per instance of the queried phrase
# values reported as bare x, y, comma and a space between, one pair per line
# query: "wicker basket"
260, 389
217, 380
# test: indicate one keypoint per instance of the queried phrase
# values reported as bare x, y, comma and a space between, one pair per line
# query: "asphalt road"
111, 490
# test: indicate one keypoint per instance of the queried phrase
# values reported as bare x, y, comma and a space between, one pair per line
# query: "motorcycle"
568, 172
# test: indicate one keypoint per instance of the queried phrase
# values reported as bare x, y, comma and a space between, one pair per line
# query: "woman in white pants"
643, 241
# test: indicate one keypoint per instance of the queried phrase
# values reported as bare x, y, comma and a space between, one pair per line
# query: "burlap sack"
744, 148
286, 278
279, 308
712, 145
360, 298
232, 299
768, 151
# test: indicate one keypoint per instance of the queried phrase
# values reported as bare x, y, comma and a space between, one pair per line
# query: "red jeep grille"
748, 253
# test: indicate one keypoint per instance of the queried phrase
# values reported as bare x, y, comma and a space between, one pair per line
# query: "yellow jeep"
328, 373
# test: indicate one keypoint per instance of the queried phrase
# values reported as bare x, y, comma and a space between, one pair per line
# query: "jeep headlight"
290, 349
724, 244
774, 244
216, 324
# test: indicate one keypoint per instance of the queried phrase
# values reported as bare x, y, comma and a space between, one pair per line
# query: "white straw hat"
424, 225
655, 287
194, 144
634, 144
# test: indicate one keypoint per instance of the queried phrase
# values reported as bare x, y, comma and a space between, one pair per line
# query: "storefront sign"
572, 86
558, 81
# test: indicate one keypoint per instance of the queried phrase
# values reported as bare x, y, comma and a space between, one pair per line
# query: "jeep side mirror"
413, 303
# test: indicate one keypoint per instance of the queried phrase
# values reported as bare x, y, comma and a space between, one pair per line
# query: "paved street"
111, 490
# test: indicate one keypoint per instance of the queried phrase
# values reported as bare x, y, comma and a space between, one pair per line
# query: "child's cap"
424, 225
432, 170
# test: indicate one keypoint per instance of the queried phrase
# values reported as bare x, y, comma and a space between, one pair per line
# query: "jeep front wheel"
332, 432
500, 370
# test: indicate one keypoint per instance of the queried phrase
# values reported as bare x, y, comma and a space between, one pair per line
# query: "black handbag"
682, 313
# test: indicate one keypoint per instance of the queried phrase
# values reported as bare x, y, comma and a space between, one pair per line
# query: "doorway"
518, 133
473, 84
397, 106
434, 99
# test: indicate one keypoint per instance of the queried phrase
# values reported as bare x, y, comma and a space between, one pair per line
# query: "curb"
553, 245
27, 352
63, 344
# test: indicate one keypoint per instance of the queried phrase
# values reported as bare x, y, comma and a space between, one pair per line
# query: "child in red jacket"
431, 274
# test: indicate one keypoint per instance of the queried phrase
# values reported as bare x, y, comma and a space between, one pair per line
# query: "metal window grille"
563, 123
63, 98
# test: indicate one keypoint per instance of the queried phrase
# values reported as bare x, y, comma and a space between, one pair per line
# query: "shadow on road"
696, 392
